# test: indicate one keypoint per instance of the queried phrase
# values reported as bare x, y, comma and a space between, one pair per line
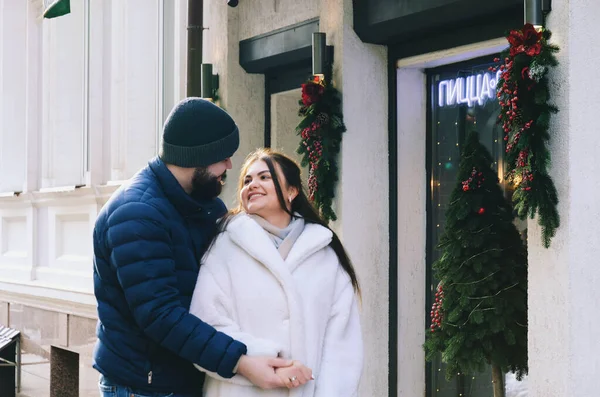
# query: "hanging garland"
524, 97
321, 131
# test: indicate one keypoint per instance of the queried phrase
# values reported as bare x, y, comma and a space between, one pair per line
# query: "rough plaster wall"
242, 94
584, 147
262, 16
412, 225
564, 353
548, 268
360, 72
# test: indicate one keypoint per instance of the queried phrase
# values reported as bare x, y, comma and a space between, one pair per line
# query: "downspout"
194, 50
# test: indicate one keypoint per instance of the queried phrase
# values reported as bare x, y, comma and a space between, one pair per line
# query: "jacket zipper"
150, 377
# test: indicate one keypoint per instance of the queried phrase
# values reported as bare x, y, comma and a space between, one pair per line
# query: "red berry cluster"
474, 181
508, 96
510, 116
515, 139
436, 309
311, 139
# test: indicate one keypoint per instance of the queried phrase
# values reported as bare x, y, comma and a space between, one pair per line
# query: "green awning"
56, 8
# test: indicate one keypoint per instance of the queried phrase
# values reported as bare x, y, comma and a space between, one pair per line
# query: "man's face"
207, 182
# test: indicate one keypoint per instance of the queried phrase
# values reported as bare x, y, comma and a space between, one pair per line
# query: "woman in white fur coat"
279, 280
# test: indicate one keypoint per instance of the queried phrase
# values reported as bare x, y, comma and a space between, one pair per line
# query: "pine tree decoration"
480, 314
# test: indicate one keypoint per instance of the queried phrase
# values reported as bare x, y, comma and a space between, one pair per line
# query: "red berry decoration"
481, 211
474, 181
436, 309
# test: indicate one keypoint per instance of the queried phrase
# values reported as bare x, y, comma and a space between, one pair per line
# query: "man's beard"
206, 186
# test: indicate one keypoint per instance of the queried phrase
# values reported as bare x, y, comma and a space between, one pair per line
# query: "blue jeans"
110, 389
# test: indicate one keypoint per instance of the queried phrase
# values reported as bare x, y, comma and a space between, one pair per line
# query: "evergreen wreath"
525, 113
321, 131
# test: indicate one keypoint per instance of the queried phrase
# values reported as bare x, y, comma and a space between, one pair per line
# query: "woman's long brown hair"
300, 205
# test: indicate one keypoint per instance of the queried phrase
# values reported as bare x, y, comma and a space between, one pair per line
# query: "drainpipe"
194, 50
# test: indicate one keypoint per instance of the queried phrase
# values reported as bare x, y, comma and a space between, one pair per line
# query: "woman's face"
258, 193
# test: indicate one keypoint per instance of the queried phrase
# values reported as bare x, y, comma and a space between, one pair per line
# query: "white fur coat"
303, 308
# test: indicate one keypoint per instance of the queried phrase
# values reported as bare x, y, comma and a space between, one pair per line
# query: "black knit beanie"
198, 133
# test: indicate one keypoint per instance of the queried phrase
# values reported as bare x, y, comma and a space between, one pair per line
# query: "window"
134, 72
283, 92
462, 98
13, 95
64, 98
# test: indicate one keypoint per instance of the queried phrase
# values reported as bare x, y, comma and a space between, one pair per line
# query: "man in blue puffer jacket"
148, 242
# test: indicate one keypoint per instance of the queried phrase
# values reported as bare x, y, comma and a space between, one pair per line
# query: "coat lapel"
248, 234
313, 238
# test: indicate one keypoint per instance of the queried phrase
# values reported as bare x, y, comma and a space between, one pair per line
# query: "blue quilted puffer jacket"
148, 242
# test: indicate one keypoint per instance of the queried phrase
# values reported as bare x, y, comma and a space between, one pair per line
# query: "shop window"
461, 98
13, 95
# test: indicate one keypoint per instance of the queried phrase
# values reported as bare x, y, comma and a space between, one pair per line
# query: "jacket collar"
183, 202
250, 236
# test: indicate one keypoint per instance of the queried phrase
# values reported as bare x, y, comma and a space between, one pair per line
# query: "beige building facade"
83, 98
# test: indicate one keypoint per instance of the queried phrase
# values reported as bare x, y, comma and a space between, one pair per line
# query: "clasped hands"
273, 373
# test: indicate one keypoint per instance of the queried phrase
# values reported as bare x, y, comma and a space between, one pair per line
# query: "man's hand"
261, 370
294, 376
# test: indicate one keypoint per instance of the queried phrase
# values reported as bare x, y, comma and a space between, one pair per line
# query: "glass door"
461, 98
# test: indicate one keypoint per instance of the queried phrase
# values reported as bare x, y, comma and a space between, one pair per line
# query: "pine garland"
321, 135
524, 97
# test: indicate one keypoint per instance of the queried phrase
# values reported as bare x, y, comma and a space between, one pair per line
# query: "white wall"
564, 354
360, 72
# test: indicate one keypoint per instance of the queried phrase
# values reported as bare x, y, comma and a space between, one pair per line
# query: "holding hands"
273, 373
295, 375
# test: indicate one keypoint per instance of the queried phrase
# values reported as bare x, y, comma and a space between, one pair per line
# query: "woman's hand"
294, 376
